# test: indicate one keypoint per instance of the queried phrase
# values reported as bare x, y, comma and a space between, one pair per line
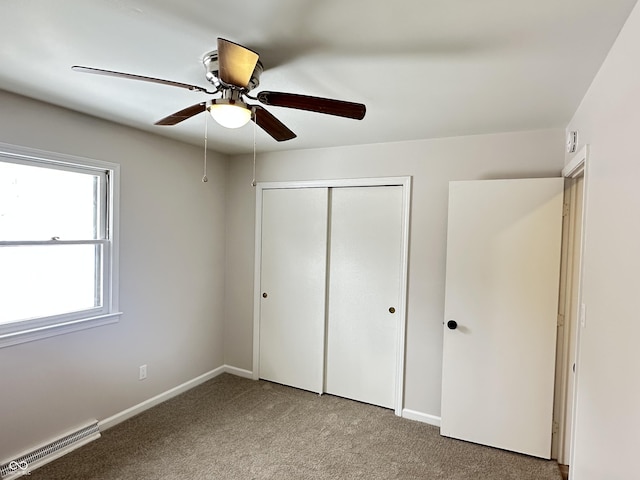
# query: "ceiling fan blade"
182, 115
111, 73
329, 106
236, 63
271, 124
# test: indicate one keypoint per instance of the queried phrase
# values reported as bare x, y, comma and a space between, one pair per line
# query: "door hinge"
555, 428
560, 320
565, 209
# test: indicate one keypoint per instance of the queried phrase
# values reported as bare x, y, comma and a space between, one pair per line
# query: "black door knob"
452, 324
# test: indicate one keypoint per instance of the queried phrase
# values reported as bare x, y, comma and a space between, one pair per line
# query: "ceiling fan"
234, 71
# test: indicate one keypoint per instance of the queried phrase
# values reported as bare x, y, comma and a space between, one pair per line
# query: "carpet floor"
232, 428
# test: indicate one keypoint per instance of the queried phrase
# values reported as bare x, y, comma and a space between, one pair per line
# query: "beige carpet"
233, 428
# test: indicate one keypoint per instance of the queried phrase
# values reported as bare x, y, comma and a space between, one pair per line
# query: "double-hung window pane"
53, 241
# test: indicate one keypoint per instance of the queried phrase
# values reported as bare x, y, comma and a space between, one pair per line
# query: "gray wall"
608, 384
172, 238
432, 163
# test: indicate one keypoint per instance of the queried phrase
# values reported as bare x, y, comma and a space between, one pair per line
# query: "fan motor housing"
212, 71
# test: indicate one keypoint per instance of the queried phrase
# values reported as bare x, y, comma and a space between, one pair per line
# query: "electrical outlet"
143, 372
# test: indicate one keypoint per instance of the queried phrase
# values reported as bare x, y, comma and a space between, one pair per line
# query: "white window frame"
34, 329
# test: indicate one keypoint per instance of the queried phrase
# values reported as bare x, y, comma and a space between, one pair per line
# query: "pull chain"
255, 126
204, 177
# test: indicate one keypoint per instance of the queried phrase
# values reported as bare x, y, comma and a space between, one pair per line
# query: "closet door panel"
364, 291
293, 286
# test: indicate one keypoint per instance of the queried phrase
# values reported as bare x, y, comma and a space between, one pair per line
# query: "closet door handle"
392, 310
264, 295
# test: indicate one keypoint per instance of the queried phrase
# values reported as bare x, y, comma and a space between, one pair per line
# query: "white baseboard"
158, 399
421, 417
147, 404
163, 397
238, 372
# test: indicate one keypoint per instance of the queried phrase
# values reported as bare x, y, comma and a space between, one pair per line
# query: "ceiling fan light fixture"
230, 113
235, 71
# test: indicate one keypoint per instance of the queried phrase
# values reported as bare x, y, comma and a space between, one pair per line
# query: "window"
58, 257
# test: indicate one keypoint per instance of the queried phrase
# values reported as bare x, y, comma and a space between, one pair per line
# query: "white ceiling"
424, 68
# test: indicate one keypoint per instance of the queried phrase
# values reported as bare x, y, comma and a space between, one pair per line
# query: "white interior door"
364, 292
503, 258
293, 280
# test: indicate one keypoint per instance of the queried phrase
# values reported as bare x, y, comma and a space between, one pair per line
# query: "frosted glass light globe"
230, 113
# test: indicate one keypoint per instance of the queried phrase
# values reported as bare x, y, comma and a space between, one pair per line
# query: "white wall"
171, 282
608, 410
432, 163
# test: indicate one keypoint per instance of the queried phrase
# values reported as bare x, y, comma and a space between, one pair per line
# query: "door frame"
577, 167
401, 319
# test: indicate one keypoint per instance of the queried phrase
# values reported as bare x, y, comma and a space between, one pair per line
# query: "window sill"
31, 334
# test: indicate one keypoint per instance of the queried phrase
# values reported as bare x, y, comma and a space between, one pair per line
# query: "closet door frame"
401, 317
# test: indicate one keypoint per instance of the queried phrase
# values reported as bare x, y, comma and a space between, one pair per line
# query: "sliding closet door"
293, 280
364, 293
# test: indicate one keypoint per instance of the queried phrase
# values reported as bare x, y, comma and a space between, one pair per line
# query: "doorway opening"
570, 308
